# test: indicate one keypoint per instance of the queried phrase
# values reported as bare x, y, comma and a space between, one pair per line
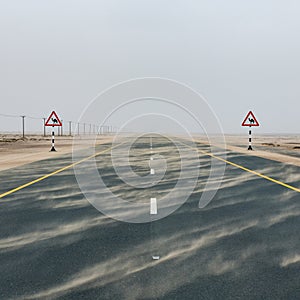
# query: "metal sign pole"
250, 139
53, 148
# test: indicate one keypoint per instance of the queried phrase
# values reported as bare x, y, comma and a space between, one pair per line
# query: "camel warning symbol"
53, 120
250, 120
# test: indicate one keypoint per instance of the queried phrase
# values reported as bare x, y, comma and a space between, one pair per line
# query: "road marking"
153, 206
247, 170
153, 202
257, 173
55, 172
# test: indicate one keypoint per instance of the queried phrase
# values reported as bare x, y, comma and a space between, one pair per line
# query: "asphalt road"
244, 245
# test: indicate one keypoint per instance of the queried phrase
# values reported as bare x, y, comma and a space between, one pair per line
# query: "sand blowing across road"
15, 151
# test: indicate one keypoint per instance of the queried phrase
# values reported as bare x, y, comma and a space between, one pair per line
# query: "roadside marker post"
249, 121
53, 120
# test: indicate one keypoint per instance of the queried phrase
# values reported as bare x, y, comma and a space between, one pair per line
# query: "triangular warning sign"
53, 120
250, 120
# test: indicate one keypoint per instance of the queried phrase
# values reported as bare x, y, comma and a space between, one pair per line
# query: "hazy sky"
240, 55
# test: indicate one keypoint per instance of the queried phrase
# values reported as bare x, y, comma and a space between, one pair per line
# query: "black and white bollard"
250, 139
53, 148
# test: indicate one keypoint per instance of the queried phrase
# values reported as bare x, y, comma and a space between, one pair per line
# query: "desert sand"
15, 151
284, 149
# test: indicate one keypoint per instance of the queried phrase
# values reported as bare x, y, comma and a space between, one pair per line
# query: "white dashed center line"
153, 202
153, 206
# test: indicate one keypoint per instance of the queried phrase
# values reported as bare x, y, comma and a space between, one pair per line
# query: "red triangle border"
250, 113
57, 118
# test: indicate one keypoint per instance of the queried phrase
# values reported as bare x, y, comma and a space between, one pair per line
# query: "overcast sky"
240, 55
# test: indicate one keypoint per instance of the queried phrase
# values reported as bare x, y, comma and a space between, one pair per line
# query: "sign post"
249, 121
53, 120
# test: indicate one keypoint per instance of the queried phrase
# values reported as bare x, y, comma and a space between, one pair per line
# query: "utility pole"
70, 128
44, 122
23, 126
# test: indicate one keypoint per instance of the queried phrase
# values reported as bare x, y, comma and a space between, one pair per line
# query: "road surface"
244, 245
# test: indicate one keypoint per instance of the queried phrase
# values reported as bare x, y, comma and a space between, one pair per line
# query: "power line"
34, 118
92, 128
9, 116
18, 116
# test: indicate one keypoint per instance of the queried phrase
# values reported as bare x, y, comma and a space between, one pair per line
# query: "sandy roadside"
277, 148
268, 155
16, 152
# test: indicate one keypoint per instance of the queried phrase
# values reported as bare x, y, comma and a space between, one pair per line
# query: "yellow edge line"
54, 173
251, 171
